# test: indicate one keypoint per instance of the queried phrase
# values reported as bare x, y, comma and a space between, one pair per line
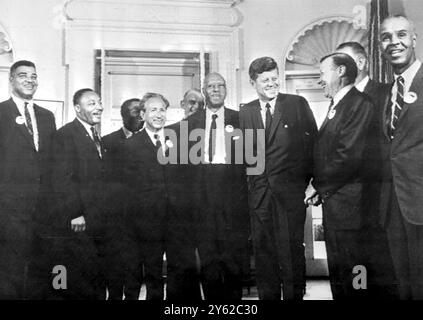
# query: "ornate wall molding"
321, 38
166, 13
5, 43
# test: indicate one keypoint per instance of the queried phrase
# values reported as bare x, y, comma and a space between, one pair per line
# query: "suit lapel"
416, 86
386, 114
14, 111
338, 110
42, 129
277, 115
85, 136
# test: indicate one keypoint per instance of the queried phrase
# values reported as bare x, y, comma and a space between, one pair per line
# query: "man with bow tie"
25, 136
78, 205
337, 175
402, 145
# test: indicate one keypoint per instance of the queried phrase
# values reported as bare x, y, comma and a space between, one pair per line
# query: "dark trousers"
278, 240
223, 263
344, 252
117, 261
146, 248
382, 283
83, 257
14, 259
223, 234
182, 283
406, 247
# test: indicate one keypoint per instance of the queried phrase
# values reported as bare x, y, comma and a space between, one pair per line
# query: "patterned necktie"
212, 138
28, 120
97, 141
399, 103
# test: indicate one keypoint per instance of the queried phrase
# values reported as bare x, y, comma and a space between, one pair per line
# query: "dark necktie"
28, 120
97, 141
399, 103
212, 138
158, 142
268, 121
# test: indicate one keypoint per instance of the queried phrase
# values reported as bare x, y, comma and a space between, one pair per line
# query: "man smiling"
25, 135
402, 188
276, 196
78, 178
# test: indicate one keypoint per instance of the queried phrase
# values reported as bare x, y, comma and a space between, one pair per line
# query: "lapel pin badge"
169, 144
331, 114
235, 137
410, 97
229, 128
20, 120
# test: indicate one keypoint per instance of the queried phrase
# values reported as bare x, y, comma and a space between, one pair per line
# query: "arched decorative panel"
322, 38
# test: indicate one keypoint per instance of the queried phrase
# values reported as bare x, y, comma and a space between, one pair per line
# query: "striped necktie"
28, 119
97, 141
398, 105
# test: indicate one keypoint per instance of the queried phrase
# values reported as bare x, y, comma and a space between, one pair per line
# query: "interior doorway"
125, 74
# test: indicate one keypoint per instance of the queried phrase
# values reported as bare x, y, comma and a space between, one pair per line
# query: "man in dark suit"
276, 195
78, 212
117, 241
338, 179
402, 144
147, 199
223, 224
25, 136
381, 275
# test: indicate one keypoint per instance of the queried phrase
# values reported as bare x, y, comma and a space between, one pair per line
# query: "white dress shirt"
263, 109
20, 103
87, 127
341, 94
220, 151
408, 76
151, 134
362, 84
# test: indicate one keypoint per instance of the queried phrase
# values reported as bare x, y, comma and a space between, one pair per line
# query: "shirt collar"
341, 93
151, 134
362, 84
86, 125
20, 102
264, 103
410, 73
220, 112
127, 132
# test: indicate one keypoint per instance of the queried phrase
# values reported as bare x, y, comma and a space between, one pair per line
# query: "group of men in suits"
109, 209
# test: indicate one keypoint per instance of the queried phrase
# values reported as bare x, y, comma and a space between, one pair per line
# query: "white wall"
30, 27
267, 28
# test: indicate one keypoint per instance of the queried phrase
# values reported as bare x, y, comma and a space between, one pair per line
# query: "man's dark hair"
261, 65
343, 59
125, 106
356, 47
150, 95
20, 63
77, 95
